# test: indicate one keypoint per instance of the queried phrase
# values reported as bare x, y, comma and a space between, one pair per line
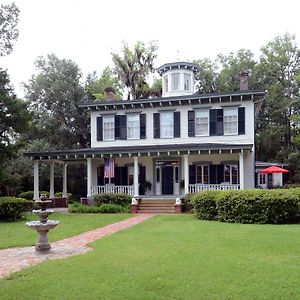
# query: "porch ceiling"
148, 150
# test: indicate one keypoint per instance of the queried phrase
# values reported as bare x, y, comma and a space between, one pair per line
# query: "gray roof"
144, 150
178, 65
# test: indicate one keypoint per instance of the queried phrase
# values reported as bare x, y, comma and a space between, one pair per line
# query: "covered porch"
151, 171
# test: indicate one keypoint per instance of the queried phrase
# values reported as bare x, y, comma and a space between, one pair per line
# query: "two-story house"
177, 144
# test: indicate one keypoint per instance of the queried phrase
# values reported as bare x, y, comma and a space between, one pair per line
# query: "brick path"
15, 259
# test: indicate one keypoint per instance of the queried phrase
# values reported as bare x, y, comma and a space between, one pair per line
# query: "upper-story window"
166, 124
166, 84
175, 81
108, 128
201, 122
231, 120
133, 126
187, 82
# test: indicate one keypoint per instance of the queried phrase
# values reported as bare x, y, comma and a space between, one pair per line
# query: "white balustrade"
196, 188
112, 189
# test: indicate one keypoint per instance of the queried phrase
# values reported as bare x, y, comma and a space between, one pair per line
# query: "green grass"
14, 234
172, 257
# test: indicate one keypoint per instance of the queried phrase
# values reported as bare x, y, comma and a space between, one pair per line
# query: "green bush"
119, 199
205, 205
59, 195
29, 195
186, 203
249, 206
102, 209
12, 208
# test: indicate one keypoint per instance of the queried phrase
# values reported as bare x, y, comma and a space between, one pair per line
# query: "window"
133, 126
231, 174
202, 174
231, 120
130, 175
166, 124
108, 128
201, 122
166, 84
175, 81
187, 82
262, 179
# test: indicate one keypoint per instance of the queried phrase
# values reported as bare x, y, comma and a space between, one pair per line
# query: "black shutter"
191, 123
212, 174
241, 122
216, 122
220, 174
142, 126
99, 129
156, 125
120, 127
176, 124
192, 174
118, 176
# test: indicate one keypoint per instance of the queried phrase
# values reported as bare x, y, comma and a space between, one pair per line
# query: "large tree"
54, 94
9, 17
133, 67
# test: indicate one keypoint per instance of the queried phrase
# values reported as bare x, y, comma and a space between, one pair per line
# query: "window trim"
112, 117
226, 109
170, 127
137, 130
208, 122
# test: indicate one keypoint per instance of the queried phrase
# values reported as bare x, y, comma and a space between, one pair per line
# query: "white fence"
195, 188
112, 189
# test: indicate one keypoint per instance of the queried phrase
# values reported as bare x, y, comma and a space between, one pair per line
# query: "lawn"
14, 234
172, 257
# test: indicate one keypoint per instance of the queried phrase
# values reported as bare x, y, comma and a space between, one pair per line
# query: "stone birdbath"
43, 225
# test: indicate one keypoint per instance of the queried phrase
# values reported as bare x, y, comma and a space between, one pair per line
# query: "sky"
87, 31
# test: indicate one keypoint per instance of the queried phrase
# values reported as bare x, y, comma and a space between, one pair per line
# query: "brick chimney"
109, 94
244, 84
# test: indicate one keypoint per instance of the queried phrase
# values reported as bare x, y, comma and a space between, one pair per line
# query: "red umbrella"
273, 169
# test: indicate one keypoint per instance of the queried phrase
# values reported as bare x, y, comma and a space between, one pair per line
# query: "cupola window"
175, 81
187, 82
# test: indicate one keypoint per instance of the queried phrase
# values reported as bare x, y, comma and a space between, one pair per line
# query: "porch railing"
195, 188
112, 189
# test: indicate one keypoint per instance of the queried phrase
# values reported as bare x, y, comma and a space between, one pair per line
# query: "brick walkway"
15, 259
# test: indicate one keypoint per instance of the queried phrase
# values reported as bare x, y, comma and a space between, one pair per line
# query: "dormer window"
175, 81
187, 82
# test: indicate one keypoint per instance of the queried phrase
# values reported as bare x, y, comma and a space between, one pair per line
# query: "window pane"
201, 122
133, 126
175, 81
231, 120
187, 82
166, 83
166, 124
108, 128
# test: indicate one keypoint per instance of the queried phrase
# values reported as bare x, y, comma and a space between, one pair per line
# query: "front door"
167, 180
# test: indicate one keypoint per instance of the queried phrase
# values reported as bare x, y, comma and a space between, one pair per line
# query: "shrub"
69, 196
103, 208
29, 195
186, 203
12, 208
205, 205
248, 206
120, 199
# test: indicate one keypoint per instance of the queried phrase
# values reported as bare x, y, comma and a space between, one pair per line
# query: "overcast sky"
87, 31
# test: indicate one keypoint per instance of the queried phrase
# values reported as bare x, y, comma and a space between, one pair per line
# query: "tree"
9, 17
134, 65
96, 87
54, 94
277, 72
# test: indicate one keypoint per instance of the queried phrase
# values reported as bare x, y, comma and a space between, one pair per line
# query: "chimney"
243, 77
109, 94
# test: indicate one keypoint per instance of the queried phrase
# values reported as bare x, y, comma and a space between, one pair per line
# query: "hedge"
12, 208
277, 206
29, 195
119, 199
102, 209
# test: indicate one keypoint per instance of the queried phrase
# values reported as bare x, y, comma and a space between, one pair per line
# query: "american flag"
109, 168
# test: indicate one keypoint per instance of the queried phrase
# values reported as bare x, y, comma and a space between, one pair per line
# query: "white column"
186, 173
241, 163
65, 176
36, 194
52, 163
89, 177
136, 176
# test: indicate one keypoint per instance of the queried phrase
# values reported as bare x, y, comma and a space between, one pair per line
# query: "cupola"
178, 78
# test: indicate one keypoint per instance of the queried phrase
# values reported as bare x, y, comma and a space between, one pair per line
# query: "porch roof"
194, 99
144, 150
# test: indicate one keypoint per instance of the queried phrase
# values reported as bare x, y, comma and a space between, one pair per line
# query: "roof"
178, 65
144, 150
194, 99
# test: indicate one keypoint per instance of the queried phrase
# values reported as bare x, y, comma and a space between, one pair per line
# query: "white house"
180, 143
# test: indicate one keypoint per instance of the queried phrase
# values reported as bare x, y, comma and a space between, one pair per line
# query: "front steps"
164, 206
